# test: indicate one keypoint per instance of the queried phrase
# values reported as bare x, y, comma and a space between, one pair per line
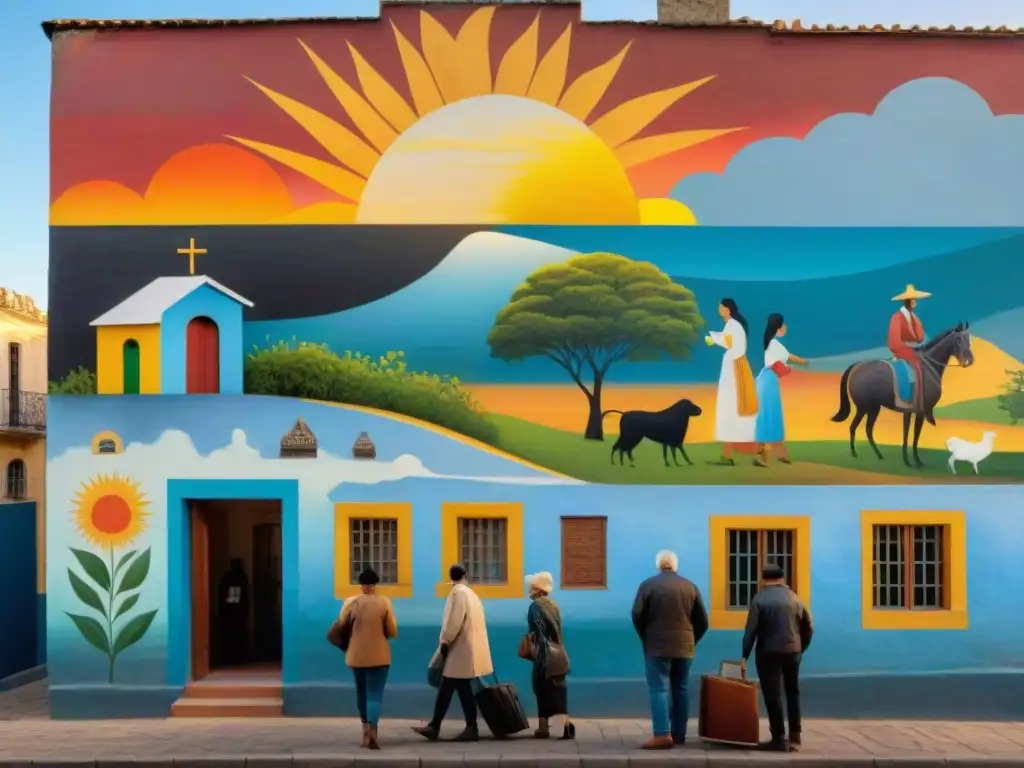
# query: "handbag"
558, 661
435, 670
525, 650
781, 369
340, 633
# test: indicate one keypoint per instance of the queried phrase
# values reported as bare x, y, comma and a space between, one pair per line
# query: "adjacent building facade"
490, 284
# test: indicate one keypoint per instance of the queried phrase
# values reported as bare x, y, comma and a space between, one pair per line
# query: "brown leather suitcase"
728, 709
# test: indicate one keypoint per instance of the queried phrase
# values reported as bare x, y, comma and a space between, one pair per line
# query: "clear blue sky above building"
25, 78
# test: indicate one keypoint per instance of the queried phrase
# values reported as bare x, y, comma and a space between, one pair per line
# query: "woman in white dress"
771, 428
736, 408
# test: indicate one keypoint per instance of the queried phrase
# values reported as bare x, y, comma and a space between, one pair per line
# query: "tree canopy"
594, 310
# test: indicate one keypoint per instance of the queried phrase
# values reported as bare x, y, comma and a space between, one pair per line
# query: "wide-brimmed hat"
541, 581
911, 293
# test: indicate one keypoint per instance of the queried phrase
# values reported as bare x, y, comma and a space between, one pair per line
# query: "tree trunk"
595, 424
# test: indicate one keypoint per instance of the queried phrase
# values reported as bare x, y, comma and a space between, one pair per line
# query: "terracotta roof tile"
776, 27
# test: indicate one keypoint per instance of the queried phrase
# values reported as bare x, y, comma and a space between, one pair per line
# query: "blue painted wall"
227, 314
178, 448
19, 648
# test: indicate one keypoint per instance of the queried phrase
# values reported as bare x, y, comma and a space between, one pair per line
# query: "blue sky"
25, 76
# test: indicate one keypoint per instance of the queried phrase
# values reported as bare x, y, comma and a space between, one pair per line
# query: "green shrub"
312, 371
1012, 399
80, 381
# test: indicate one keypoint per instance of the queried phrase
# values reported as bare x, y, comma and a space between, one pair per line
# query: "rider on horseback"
905, 329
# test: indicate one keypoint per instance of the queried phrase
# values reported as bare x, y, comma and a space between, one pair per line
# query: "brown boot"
366, 736
658, 742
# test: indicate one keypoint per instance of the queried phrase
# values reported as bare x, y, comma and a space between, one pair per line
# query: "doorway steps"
231, 695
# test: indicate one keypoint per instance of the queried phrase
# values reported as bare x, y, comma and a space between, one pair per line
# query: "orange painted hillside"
809, 399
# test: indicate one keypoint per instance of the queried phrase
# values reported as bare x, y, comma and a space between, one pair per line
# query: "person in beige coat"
369, 651
466, 653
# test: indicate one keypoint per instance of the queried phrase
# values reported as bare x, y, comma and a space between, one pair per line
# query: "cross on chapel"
191, 252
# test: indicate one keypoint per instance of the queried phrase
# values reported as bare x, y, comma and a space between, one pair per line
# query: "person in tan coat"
369, 654
466, 654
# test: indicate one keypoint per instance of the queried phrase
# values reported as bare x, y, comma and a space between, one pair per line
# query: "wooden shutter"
584, 553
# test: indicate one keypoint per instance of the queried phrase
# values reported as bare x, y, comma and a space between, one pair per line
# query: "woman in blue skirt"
770, 431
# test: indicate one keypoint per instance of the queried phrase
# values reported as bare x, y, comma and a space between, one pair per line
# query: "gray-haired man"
670, 619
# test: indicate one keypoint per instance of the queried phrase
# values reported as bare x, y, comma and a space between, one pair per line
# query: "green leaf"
136, 573
93, 566
127, 605
85, 593
133, 631
124, 561
92, 631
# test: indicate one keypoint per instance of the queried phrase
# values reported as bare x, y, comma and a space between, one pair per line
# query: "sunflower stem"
110, 620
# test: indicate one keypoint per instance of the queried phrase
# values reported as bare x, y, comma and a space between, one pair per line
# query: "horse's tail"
844, 396
605, 413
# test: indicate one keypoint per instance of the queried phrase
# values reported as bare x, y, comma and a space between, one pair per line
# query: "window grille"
908, 571
748, 552
374, 544
483, 545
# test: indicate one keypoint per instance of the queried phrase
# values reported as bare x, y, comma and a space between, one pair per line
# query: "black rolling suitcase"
500, 708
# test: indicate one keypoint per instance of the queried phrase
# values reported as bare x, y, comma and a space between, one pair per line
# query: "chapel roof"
146, 306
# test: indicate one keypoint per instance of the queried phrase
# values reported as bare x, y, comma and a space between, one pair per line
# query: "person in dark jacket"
670, 619
780, 627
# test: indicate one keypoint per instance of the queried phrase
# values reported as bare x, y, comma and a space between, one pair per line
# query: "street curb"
398, 759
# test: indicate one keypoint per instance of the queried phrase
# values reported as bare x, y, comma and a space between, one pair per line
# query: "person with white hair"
543, 645
670, 619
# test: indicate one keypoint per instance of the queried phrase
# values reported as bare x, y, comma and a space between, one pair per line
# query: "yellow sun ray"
549, 79
110, 510
336, 179
369, 122
441, 55
642, 150
516, 68
627, 120
582, 96
385, 99
338, 140
426, 98
474, 53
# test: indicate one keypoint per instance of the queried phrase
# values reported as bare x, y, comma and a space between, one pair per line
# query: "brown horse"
871, 384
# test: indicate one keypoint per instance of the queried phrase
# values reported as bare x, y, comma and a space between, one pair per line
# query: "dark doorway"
236, 584
202, 357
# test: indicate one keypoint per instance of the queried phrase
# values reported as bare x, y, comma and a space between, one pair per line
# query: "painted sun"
110, 510
519, 145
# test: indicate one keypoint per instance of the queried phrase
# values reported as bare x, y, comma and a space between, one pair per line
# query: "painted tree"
591, 312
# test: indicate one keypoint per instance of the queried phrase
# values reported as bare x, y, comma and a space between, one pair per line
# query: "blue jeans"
665, 676
370, 692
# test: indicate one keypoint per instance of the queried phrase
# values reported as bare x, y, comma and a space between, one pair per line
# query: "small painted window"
483, 547
107, 446
132, 366
909, 569
374, 544
748, 552
16, 485
584, 552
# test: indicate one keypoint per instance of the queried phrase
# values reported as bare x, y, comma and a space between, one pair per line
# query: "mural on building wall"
557, 311
110, 513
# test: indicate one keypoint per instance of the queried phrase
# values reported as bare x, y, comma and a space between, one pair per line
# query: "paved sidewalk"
28, 736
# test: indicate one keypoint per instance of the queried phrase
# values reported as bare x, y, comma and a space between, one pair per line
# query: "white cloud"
931, 154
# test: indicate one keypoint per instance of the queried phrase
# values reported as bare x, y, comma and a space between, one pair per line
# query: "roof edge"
778, 26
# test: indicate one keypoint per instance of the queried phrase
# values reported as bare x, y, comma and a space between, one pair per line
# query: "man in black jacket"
780, 625
670, 619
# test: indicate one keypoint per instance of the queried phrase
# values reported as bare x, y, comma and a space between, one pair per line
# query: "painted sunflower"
110, 510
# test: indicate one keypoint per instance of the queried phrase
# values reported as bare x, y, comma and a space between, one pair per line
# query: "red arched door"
202, 357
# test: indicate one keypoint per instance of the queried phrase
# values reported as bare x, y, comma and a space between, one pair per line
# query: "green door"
131, 367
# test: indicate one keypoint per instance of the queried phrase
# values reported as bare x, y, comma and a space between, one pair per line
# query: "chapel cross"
191, 252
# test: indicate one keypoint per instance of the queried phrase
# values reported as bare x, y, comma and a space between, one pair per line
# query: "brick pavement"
27, 735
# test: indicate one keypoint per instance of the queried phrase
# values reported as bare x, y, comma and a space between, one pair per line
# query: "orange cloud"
207, 184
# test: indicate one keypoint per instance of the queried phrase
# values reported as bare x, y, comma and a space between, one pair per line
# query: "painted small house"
177, 335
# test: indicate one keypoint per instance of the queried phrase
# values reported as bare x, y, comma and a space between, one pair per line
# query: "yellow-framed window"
913, 570
741, 545
487, 539
373, 535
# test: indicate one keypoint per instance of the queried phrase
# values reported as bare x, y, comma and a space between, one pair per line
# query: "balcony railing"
15, 488
22, 411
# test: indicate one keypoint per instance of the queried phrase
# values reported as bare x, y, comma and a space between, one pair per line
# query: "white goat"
965, 450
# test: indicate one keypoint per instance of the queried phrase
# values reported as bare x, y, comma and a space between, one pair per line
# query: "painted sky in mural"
550, 121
